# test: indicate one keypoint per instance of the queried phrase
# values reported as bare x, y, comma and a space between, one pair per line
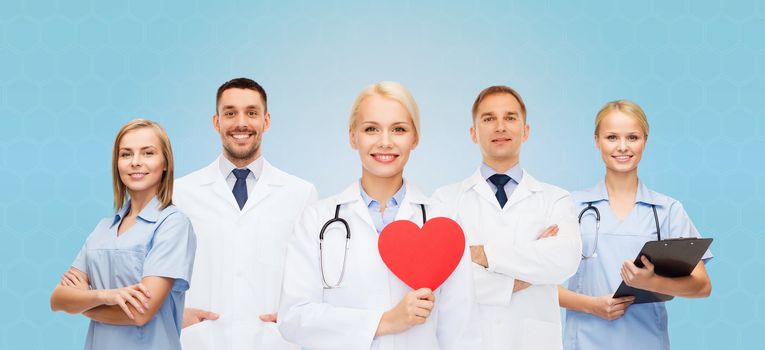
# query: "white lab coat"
347, 317
240, 254
530, 318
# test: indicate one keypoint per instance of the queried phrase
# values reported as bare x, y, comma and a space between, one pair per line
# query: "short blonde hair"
627, 107
394, 91
165, 190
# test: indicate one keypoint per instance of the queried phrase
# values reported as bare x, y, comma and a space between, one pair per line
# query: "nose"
622, 145
501, 125
385, 139
136, 160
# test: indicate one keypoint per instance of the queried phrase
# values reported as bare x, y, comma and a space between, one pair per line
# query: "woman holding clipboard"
617, 217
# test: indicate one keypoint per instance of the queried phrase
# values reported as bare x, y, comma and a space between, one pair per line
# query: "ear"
266, 121
352, 139
526, 130
473, 135
597, 144
216, 122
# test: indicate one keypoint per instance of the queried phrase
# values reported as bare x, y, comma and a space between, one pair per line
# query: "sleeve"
490, 288
303, 317
172, 251
546, 261
81, 262
680, 226
458, 326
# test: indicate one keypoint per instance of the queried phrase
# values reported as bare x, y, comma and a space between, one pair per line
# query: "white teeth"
241, 136
384, 157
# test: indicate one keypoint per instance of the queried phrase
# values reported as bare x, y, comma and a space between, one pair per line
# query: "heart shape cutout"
422, 257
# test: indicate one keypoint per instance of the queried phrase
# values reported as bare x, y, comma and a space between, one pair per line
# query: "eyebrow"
247, 107
144, 147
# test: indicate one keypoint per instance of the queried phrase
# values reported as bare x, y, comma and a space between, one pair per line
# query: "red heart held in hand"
422, 258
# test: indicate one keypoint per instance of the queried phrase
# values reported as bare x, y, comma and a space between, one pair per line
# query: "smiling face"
241, 121
384, 134
621, 141
140, 162
499, 128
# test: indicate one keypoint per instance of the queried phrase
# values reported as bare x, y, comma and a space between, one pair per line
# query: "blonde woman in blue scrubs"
595, 320
131, 275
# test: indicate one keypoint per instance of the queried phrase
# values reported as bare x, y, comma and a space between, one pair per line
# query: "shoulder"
191, 179
291, 181
547, 189
449, 192
172, 216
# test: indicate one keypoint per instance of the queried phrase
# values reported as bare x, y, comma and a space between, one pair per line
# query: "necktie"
240, 187
500, 180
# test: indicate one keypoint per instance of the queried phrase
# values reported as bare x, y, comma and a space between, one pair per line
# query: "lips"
384, 157
501, 140
241, 135
622, 158
137, 176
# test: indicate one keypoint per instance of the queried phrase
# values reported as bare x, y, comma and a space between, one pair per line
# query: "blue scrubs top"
643, 326
161, 243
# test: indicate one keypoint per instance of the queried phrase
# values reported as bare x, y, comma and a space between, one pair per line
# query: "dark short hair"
495, 90
242, 83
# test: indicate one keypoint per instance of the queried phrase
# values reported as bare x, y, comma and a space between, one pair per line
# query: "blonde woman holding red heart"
337, 291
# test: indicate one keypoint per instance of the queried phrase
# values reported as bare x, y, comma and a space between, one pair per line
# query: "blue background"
72, 72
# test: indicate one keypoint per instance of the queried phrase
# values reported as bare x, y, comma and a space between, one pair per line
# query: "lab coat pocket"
541, 335
200, 336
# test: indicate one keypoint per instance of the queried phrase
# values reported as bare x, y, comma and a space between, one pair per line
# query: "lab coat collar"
526, 187
644, 194
270, 178
352, 196
149, 213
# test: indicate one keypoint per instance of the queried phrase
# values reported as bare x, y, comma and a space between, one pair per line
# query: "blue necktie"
500, 180
240, 187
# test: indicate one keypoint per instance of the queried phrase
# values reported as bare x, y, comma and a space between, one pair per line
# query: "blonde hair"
394, 91
165, 190
627, 107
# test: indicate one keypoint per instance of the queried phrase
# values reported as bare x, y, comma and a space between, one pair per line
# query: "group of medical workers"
273, 268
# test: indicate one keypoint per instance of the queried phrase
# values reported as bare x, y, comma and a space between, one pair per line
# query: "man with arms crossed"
523, 234
243, 210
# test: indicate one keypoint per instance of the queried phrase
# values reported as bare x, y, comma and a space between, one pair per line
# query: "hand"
641, 278
136, 295
194, 316
413, 309
75, 279
520, 285
268, 317
609, 308
551, 231
478, 256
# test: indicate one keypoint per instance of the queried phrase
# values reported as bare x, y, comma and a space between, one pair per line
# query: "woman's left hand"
637, 277
75, 278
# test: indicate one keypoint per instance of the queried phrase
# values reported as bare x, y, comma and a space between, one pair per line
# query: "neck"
501, 166
621, 184
381, 188
241, 162
139, 200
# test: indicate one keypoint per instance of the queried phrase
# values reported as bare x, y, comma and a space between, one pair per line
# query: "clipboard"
675, 257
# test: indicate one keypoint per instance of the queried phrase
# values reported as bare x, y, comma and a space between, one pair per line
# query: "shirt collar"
395, 200
149, 213
515, 172
256, 167
600, 193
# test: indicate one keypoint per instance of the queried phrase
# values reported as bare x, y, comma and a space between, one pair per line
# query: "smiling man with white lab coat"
523, 234
243, 210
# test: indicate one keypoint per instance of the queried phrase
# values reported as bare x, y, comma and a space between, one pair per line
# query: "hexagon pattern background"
72, 72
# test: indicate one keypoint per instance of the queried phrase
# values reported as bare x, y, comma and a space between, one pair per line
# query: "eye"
399, 130
511, 118
229, 114
252, 114
370, 129
125, 155
488, 119
611, 137
633, 138
148, 153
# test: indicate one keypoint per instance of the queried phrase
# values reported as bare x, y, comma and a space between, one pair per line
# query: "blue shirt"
643, 326
160, 243
515, 173
391, 208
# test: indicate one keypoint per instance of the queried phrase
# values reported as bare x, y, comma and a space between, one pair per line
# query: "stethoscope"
337, 218
597, 227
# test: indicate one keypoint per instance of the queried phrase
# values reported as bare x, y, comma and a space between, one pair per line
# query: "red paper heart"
422, 258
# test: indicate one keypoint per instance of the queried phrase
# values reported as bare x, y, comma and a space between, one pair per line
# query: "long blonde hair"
165, 190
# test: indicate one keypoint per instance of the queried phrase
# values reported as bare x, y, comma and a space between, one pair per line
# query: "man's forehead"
241, 97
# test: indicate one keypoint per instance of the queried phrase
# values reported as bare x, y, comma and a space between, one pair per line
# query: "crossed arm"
133, 305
